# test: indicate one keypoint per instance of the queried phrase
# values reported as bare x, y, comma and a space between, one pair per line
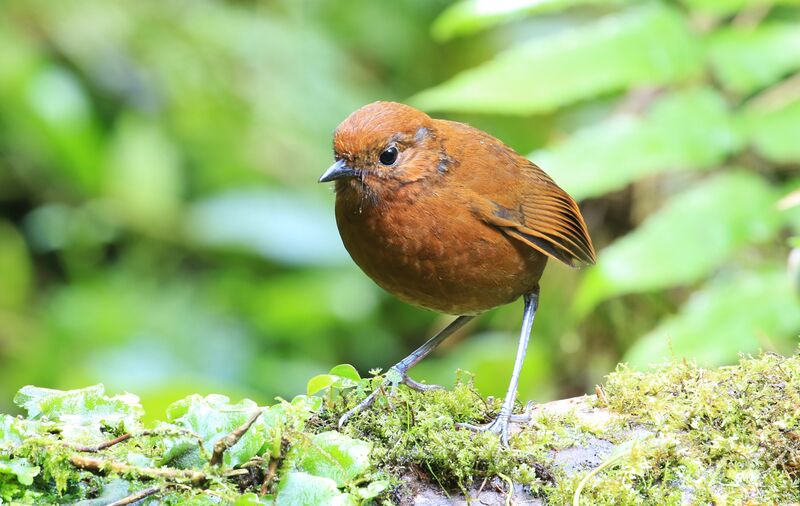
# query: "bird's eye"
388, 156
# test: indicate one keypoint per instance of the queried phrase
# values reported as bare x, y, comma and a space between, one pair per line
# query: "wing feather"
547, 219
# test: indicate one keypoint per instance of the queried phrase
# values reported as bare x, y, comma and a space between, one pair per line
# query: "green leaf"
689, 130
21, 468
725, 319
747, 59
773, 131
302, 489
346, 371
15, 430
144, 177
320, 382
374, 489
334, 456
213, 417
725, 7
83, 411
16, 271
648, 45
685, 240
48, 114
470, 16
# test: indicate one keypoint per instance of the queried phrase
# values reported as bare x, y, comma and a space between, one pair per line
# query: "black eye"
389, 156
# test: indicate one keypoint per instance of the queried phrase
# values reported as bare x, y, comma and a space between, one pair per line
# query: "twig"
273, 466
638, 101
232, 438
510, 494
99, 446
101, 466
138, 496
777, 96
752, 16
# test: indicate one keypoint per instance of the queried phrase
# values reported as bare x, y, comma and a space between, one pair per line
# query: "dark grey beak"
337, 171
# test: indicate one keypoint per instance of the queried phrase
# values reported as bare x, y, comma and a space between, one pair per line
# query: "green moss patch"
677, 434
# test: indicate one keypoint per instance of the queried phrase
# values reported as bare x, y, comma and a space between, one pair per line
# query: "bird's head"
382, 146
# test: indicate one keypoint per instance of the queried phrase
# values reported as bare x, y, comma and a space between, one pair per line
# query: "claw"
499, 426
390, 379
419, 387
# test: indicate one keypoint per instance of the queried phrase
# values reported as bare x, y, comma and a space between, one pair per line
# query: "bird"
448, 218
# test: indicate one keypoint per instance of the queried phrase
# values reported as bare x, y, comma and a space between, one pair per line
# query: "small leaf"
748, 59
374, 489
320, 382
21, 468
83, 412
648, 45
685, 240
213, 417
333, 455
689, 130
724, 320
470, 16
303, 489
346, 371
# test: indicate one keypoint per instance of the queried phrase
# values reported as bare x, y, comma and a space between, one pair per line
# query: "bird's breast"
428, 249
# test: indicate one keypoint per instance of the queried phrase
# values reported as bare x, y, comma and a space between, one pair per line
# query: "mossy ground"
678, 434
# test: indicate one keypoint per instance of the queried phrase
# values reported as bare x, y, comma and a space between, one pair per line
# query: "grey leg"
397, 373
500, 424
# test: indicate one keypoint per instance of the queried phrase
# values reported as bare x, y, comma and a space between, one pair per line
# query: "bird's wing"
542, 215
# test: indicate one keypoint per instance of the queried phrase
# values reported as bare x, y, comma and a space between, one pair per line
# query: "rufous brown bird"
446, 217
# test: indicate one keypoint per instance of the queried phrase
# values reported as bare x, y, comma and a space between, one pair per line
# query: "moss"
674, 435
682, 434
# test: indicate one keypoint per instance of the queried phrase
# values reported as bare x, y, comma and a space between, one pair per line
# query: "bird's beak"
337, 171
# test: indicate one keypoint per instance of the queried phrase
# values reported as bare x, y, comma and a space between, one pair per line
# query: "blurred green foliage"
161, 229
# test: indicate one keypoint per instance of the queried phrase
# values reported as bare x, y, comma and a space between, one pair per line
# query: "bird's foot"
391, 379
499, 426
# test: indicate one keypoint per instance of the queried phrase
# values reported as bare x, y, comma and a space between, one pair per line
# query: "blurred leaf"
16, 271
732, 315
470, 16
21, 468
213, 417
83, 412
773, 131
144, 175
748, 59
333, 455
723, 7
302, 489
292, 229
644, 46
687, 130
48, 113
687, 239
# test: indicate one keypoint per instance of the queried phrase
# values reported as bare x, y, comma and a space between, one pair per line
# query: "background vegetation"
161, 229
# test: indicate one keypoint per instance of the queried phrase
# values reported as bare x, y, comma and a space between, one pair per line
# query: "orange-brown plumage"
460, 223
445, 216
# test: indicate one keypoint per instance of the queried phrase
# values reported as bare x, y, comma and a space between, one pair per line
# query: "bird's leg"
398, 372
500, 424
